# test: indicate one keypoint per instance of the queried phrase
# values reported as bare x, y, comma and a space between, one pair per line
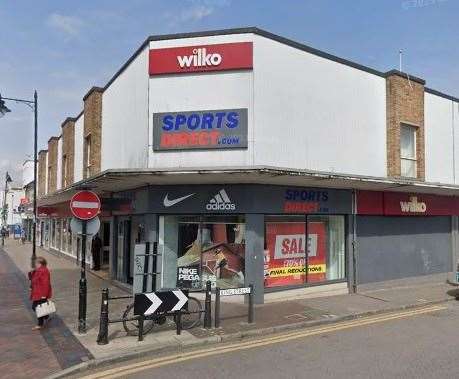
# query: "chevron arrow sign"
161, 301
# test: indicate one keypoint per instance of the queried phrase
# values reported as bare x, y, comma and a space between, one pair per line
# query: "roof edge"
405, 75
67, 120
93, 89
441, 94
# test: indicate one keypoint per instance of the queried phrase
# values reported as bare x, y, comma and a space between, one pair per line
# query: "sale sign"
285, 256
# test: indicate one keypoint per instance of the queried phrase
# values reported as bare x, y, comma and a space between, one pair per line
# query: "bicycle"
191, 317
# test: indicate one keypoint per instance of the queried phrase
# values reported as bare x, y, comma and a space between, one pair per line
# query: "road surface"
421, 343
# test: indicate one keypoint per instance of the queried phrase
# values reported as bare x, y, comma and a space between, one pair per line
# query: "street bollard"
217, 307
208, 306
102, 338
251, 310
178, 322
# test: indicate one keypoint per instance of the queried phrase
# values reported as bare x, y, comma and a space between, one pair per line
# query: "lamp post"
5, 208
33, 104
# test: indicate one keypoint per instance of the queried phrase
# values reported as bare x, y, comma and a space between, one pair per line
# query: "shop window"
53, 233
198, 249
408, 151
64, 235
69, 238
58, 235
303, 249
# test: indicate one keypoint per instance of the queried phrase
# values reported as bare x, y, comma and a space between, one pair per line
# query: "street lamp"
3, 108
33, 104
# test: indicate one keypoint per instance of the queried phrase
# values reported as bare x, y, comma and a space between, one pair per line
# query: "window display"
290, 261
198, 249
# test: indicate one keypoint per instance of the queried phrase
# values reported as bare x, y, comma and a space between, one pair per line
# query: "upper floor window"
88, 156
408, 151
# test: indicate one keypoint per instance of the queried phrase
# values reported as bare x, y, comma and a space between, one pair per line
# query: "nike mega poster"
208, 129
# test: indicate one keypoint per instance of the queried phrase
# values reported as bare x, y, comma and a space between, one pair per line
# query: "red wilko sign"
405, 204
219, 57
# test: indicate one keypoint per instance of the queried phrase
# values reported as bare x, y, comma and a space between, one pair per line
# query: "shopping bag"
45, 309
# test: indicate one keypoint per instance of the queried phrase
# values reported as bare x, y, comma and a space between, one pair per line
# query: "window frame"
414, 159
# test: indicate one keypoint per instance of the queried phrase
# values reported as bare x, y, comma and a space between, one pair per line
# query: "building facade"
247, 158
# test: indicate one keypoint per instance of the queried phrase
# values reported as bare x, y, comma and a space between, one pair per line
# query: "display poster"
285, 256
211, 252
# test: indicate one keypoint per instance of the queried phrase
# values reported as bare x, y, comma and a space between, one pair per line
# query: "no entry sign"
85, 205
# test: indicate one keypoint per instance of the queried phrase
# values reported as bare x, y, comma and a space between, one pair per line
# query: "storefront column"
351, 253
454, 249
254, 273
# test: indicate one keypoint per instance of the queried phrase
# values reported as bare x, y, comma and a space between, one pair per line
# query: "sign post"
85, 205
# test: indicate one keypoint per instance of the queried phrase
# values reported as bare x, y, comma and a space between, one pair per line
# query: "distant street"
409, 344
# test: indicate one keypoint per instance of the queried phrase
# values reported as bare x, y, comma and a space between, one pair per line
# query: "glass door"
123, 270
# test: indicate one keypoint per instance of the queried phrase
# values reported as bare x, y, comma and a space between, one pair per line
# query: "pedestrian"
40, 288
96, 248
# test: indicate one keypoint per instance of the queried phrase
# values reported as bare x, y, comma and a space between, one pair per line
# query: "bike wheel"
191, 317
132, 327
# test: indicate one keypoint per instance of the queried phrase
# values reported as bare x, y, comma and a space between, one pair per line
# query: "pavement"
81, 351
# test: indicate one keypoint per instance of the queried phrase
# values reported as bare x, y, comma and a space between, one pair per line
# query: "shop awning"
114, 180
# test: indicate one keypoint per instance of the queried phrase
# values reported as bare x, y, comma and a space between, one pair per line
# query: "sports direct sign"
218, 57
212, 129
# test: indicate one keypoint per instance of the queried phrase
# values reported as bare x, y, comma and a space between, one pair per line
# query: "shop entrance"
105, 237
123, 248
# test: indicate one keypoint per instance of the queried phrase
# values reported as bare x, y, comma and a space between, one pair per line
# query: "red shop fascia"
406, 204
109, 207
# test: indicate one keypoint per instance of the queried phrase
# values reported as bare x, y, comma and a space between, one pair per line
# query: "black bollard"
251, 310
102, 338
208, 306
217, 307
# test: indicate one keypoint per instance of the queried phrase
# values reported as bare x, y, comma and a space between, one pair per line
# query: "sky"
63, 48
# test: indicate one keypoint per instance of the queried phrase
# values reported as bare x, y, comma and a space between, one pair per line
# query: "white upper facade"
306, 110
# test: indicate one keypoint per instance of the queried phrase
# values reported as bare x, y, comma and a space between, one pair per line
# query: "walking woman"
40, 286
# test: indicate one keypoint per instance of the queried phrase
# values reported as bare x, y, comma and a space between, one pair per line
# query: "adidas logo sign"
220, 202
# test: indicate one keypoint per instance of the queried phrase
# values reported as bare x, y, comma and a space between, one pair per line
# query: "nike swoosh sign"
169, 203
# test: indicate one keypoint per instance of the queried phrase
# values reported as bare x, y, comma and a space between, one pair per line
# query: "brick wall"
68, 150
52, 164
41, 173
93, 129
405, 104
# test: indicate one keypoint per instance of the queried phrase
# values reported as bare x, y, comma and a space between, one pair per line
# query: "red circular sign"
85, 205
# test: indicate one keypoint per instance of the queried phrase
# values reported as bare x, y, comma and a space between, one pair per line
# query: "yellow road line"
176, 358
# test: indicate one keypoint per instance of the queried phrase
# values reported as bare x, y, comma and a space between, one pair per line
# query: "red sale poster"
285, 256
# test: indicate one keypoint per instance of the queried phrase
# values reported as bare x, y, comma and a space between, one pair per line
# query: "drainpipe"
354, 241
